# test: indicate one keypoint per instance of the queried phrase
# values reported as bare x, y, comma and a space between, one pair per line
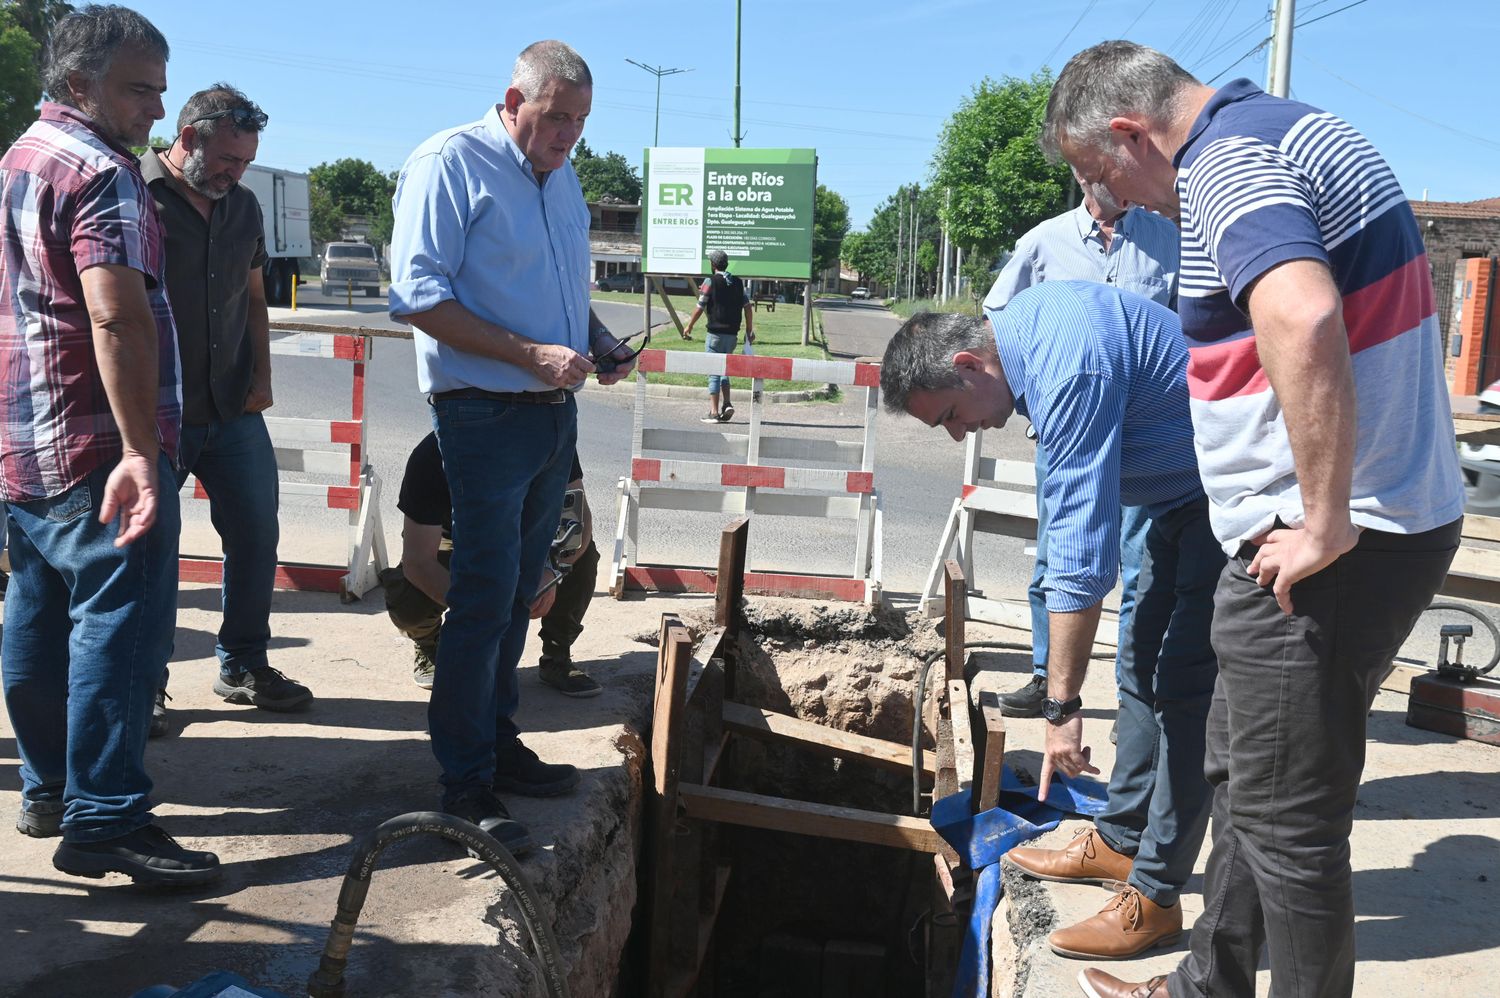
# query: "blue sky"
868, 85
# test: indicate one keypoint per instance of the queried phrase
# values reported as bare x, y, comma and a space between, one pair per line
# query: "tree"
383, 221
36, 18
830, 225
354, 186
607, 176
20, 87
988, 158
325, 219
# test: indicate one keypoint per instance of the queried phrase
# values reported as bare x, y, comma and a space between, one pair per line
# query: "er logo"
675, 194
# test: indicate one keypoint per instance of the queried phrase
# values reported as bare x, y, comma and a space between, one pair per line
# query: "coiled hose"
1489, 625
328, 980
919, 697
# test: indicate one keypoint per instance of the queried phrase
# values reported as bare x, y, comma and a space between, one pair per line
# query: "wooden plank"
955, 602
1482, 528
994, 752
767, 725
684, 979
1007, 473
729, 593
1398, 679
736, 807
674, 653
712, 754
708, 649
963, 736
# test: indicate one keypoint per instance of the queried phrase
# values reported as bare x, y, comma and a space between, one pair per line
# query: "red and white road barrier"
320, 447
737, 473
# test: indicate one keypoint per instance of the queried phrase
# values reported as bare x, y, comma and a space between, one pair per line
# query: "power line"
1048, 61
1149, 5
1258, 46
1397, 107
1356, 3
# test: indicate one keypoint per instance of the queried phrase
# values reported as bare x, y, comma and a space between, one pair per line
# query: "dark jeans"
417, 616
507, 464
88, 629
237, 466
1133, 526
1158, 798
1286, 746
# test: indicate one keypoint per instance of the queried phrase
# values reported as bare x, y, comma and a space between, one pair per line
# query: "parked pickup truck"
349, 266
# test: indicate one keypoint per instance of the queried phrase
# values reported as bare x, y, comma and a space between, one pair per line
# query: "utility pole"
1279, 60
737, 135
911, 258
657, 72
900, 246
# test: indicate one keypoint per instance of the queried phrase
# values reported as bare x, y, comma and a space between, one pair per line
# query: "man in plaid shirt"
90, 413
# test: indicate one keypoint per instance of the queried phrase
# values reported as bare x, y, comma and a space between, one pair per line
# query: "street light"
657, 72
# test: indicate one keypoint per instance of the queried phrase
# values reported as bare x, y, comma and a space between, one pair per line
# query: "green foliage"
36, 18
830, 226
384, 218
354, 186
988, 158
977, 276
610, 175
326, 221
20, 87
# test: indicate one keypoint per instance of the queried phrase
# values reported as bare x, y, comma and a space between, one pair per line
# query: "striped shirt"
1262, 181
70, 198
1141, 258
1100, 374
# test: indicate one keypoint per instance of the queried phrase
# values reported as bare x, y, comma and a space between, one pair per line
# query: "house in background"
614, 237
1453, 231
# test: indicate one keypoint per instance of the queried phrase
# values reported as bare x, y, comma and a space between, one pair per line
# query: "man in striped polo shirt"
1326, 445
1099, 372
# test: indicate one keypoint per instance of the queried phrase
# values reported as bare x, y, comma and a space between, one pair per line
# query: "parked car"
1480, 464
350, 266
861, 293
624, 280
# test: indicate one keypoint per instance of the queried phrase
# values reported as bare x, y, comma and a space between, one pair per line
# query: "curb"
824, 394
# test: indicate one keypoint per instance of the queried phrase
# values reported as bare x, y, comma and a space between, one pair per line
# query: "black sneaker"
263, 687
1026, 701
159, 725
567, 679
519, 771
147, 855
42, 820
484, 810
423, 670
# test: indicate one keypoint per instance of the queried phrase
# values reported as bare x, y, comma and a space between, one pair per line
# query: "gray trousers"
1286, 747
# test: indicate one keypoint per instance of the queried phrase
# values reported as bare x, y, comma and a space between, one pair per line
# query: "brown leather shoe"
1098, 984
1087, 859
1129, 925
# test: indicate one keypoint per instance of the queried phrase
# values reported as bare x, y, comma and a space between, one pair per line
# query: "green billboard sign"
754, 204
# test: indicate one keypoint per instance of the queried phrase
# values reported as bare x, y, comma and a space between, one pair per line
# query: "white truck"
286, 215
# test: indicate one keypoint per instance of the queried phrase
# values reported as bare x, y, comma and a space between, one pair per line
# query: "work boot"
148, 855
1088, 859
1129, 925
519, 771
481, 808
1098, 984
567, 679
159, 724
263, 687
41, 819
1026, 701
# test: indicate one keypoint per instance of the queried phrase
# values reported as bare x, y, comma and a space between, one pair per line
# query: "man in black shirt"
215, 250
417, 588
723, 297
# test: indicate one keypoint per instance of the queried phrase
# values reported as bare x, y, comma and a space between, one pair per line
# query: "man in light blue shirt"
1097, 241
1100, 374
489, 264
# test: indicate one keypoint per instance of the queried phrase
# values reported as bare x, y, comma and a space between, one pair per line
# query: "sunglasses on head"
241, 117
607, 358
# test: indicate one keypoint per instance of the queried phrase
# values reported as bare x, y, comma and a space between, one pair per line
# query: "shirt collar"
63, 113
496, 128
1012, 356
1230, 93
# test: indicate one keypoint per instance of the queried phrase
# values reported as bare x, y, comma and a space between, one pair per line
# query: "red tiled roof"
1485, 208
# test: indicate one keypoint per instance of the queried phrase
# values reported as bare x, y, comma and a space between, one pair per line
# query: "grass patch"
906, 309
777, 334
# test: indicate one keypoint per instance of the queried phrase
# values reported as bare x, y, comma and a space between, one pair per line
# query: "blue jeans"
719, 343
507, 464
1159, 800
88, 630
237, 466
1133, 525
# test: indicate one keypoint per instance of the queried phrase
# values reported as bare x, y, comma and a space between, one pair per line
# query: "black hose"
1489, 625
919, 696
328, 980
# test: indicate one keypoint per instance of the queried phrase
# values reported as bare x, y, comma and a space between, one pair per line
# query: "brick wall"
1449, 240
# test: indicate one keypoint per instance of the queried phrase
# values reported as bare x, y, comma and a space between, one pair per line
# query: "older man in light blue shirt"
1133, 250
489, 260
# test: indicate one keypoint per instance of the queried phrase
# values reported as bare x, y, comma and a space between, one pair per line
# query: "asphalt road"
918, 470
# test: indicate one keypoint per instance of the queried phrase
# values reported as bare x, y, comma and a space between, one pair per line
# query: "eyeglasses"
242, 117
607, 350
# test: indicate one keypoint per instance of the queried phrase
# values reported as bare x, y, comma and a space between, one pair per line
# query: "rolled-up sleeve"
431, 209
1081, 423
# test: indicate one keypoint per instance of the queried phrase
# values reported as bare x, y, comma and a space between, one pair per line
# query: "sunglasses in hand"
611, 354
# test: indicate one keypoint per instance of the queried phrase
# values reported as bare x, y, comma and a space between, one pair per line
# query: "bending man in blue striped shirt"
1100, 374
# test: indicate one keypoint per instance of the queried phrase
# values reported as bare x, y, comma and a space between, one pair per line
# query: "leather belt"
555, 396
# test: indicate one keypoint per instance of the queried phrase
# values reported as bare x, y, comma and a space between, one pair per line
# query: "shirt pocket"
1154, 288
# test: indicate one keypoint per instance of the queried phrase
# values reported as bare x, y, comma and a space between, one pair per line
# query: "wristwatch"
1057, 711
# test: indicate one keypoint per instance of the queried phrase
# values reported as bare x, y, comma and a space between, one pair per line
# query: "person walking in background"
724, 299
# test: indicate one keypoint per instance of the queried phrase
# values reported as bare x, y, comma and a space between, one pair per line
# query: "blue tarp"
981, 839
